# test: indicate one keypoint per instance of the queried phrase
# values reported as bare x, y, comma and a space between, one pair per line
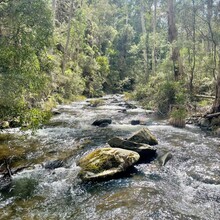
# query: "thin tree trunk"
154, 34
216, 105
68, 37
127, 13
54, 2
144, 34
194, 50
172, 37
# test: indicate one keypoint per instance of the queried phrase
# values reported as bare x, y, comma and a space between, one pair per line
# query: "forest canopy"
53, 51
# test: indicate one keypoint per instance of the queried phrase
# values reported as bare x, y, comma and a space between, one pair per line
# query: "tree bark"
193, 65
68, 37
154, 34
216, 104
144, 34
54, 2
172, 37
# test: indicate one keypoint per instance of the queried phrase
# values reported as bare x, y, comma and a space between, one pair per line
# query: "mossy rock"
106, 162
7, 152
96, 102
144, 136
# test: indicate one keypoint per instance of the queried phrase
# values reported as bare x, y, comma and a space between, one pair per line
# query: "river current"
187, 187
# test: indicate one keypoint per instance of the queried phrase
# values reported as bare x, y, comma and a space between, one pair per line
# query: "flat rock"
106, 163
145, 151
144, 136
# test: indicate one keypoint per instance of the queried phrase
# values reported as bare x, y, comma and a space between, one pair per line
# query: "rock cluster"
121, 154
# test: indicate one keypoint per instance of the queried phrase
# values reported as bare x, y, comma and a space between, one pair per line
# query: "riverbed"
187, 187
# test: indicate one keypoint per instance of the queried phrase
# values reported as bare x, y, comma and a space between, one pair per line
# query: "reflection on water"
188, 187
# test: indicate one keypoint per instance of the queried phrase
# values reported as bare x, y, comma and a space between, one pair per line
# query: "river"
187, 187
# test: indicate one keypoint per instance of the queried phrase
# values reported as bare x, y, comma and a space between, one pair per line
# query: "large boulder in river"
102, 122
144, 136
106, 163
145, 151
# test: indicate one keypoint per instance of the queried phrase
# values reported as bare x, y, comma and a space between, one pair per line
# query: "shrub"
177, 117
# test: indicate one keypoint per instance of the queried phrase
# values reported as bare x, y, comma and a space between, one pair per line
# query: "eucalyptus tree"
26, 29
172, 38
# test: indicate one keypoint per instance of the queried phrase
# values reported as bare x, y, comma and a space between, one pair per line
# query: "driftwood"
205, 96
9, 172
212, 115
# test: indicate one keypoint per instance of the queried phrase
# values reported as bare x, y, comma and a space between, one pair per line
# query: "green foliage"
23, 75
34, 117
161, 94
127, 84
178, 113
104, 53
166, 97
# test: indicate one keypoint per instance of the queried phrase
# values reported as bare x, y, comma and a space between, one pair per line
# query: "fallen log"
212, 115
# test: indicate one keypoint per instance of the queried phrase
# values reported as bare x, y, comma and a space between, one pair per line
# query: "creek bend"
187, 187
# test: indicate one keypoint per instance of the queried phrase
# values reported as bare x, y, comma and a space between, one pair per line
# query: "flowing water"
187, 187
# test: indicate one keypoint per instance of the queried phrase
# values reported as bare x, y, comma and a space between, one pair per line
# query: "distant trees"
56, 50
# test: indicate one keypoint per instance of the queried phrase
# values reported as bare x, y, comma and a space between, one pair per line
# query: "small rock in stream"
164, 158
56, 112
53, 164
102, 122
135, 122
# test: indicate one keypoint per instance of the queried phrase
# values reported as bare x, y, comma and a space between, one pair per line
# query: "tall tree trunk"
68, 37
144, 34
216, 104
127, 13
172, 37
154, 34
193, 59
54, 2
209, 18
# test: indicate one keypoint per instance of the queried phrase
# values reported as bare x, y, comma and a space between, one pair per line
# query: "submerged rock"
106, 163
217, 132
135, 122
164, 158
102, 122
5, 182
103, 125
53, 164
144, 136
145, 151
56, 112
